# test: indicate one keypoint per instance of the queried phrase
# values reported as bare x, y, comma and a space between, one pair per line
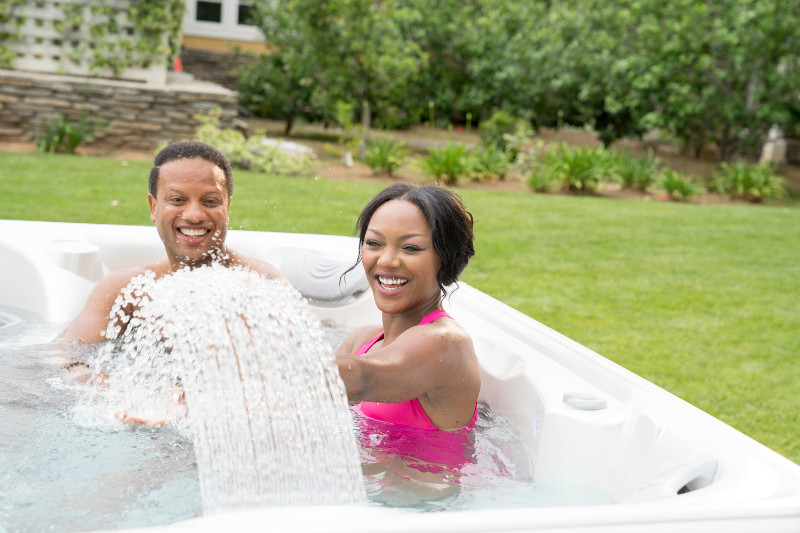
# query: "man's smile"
191, 232
193, 236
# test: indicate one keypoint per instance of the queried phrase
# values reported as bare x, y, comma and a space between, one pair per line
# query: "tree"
353, 50
269, 88
485, 55
585, 49
721, 72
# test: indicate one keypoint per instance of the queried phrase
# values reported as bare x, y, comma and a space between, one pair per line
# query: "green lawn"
702, 300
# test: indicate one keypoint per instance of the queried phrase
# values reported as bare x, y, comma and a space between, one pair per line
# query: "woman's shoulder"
450, 327
443, 335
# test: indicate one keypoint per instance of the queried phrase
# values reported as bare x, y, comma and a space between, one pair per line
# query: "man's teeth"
193, 232
392, 283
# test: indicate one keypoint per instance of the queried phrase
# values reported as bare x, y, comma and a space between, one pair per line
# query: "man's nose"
193, 212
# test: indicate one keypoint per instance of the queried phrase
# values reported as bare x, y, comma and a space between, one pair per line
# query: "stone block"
47, 102
145, 126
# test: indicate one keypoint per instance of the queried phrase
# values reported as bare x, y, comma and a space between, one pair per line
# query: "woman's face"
399, 259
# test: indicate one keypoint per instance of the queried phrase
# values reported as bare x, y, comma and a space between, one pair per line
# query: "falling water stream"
266, 407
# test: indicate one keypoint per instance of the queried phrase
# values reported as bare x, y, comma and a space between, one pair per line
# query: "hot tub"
583, 419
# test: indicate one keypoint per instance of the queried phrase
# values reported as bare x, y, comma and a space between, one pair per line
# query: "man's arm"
90, 325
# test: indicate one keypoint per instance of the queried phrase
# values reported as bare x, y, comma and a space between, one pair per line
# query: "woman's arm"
420, 361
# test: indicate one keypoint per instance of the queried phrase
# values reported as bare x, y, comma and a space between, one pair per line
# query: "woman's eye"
371, 243
412, 248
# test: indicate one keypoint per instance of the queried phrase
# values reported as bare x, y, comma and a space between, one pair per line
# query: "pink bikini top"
409, 413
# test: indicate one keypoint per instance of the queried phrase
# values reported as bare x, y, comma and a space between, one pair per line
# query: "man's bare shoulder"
91, 322
119, 279
262, 267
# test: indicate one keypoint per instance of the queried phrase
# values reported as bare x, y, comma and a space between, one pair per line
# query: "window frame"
228, 28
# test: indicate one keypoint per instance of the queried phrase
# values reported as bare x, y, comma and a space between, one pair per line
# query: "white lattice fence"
61, 36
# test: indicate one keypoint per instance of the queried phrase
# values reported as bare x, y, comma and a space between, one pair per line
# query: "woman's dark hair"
447, 216
189, 150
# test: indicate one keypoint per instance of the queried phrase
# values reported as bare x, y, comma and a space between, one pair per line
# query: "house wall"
213, 50
141, 115
47, 43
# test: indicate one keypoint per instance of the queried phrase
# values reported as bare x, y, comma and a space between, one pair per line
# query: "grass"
701, 300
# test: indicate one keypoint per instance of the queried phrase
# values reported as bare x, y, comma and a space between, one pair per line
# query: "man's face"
191, 211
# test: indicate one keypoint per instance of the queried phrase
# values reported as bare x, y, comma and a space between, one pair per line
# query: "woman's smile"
391, 283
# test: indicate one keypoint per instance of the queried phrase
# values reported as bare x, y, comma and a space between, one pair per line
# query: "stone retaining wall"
141, 115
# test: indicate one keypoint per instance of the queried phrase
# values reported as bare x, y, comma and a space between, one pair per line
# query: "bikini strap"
433, 316
369, 344
427, 319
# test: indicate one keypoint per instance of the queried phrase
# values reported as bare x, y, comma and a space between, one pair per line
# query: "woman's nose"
388, 257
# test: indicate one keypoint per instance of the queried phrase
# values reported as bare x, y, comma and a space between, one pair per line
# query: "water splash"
266, 406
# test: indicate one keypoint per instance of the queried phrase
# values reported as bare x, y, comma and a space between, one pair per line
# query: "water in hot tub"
65, 469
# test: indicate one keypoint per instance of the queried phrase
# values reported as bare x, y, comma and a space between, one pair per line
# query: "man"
191, 185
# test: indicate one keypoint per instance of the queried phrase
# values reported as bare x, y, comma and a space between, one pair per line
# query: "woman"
419, 368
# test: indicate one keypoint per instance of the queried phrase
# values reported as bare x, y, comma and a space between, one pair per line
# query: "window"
221, 19
246, 14
209, 11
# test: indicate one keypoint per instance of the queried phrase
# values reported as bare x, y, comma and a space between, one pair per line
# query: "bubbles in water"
265, 403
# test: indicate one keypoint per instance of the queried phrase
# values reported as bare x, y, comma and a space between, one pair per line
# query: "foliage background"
718, 73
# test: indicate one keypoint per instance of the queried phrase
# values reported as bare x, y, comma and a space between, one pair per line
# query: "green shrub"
505, 132
385, 156
60, 134
249, 154
679, 187
541, 181
577, 169
490, 164
753, 183
447, 164
636, 173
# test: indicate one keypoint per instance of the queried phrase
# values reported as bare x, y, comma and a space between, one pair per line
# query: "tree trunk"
289, 123
366, 122
366, 116
726, 144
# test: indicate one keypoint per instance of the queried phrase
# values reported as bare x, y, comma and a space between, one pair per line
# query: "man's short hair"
189, 150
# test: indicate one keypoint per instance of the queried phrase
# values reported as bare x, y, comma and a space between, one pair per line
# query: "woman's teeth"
392, 284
